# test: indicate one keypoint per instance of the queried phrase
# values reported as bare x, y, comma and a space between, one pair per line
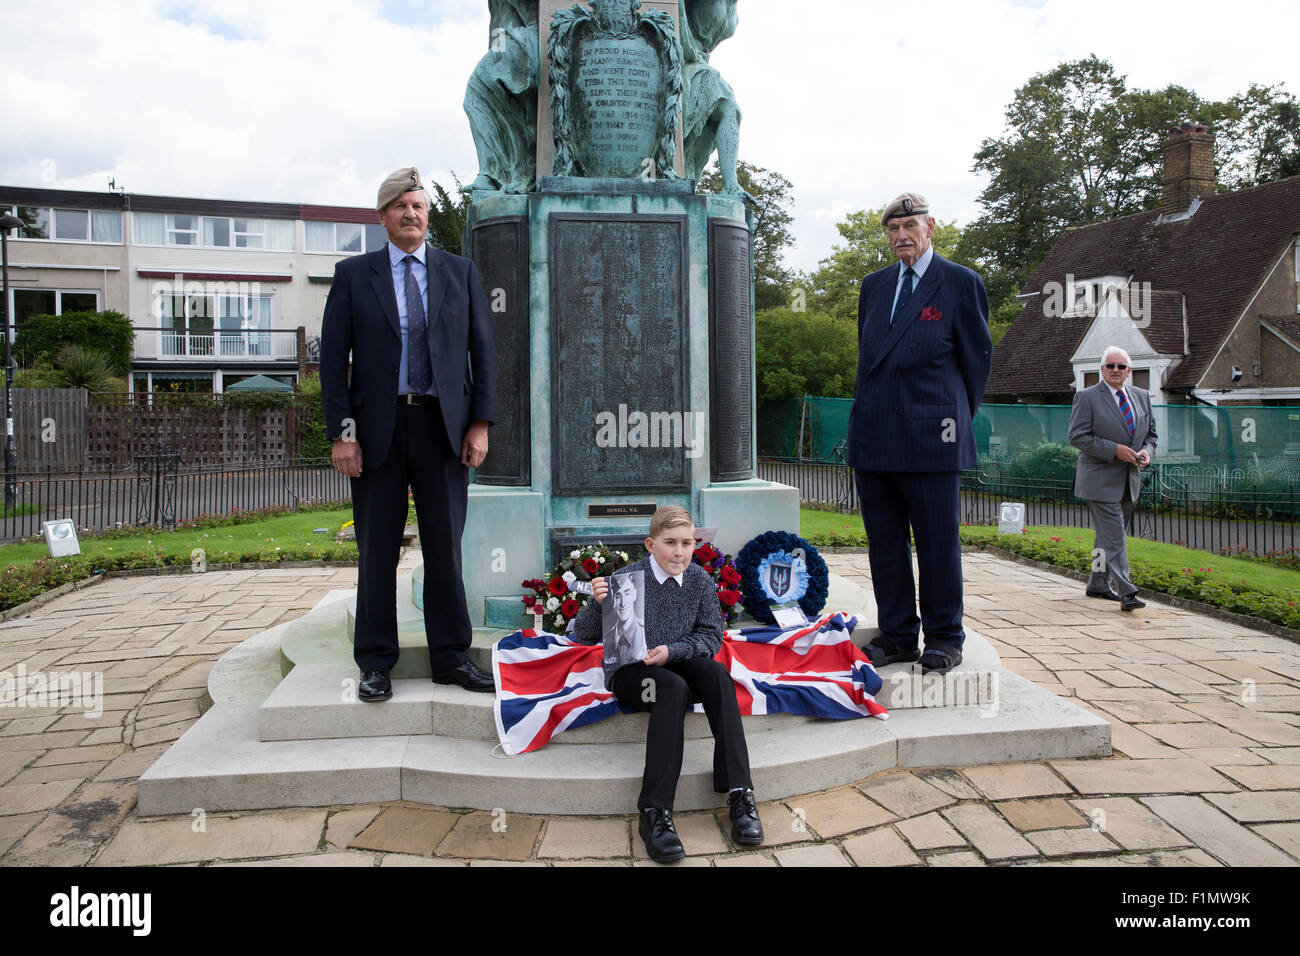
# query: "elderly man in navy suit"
415, 415
924, 356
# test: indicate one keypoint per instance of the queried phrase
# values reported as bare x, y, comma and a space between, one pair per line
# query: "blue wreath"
758, 551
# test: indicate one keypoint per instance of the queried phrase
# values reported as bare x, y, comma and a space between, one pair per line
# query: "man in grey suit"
1112, 426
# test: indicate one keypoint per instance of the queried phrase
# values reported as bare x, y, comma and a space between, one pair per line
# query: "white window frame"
335, 247
170, 229
51, 227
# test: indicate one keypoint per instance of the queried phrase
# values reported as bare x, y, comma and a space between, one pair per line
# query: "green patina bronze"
620, 82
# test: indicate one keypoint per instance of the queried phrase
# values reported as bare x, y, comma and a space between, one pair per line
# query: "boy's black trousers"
668, 692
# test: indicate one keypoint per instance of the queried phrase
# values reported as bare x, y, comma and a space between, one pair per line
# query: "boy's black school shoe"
746, 828
660, 836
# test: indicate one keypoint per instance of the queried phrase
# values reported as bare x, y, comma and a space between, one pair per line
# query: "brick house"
1203, 293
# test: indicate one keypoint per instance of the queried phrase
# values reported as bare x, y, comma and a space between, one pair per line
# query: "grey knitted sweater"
688, 619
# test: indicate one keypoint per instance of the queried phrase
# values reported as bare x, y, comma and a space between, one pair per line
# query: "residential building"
218, 290
1203, 293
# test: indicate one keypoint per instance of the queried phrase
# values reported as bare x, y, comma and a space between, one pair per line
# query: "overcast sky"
315, 102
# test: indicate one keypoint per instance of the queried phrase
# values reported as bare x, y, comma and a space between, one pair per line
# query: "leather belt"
411, 399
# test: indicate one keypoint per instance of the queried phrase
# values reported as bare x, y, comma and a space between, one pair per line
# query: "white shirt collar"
396, 255
919, 266
661, 575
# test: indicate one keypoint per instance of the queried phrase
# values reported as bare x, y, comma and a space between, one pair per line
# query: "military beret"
402, 181
908, 204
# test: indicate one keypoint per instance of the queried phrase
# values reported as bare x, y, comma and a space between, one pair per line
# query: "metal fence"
161, 490
1255, 521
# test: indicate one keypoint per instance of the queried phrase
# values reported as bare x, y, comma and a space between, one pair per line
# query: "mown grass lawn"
826, 527
289, 533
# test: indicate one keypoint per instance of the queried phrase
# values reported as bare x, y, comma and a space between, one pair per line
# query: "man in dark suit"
415, 322
1112, 426
924, 356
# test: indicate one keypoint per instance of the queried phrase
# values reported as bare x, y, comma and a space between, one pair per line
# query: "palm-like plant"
81, 367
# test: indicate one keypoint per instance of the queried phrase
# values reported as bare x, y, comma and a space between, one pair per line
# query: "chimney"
1189, 168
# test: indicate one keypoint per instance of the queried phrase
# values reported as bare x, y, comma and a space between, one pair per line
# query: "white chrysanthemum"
575, 555
569, 577
553, 604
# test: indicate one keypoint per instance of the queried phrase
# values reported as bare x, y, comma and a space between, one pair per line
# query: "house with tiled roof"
1203, 293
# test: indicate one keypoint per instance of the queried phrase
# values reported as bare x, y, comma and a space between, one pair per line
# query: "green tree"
1080, 147
1261, 134
772, 221
838, 278
448, 216
804, 353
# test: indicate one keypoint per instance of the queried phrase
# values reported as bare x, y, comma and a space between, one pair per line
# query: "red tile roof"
1218, 259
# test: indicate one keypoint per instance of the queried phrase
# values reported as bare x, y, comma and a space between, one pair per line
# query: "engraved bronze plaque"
619, 364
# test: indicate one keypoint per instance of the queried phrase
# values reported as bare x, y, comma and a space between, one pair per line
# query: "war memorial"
623, 312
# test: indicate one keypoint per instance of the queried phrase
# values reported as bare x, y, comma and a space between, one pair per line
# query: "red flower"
591, 565
729, 597
569, 608
557, 586
730, 575
931, 315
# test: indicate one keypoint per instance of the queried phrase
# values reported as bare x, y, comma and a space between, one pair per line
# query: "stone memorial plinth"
622, 297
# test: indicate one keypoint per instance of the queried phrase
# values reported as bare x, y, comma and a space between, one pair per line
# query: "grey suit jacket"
1096, 428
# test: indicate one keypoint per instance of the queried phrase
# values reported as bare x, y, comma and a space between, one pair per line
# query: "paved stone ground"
1205, 716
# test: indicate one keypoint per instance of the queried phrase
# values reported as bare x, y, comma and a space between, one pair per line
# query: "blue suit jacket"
920, 383
361, 320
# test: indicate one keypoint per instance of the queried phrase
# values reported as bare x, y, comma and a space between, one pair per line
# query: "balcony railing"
266, 344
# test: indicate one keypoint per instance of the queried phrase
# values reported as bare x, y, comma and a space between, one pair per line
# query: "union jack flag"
547, 683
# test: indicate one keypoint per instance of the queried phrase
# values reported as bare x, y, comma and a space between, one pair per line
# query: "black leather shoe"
374, 685
1130, 602
881, 652
1107, 595
660, 836
939, 659
746, 828
469, 675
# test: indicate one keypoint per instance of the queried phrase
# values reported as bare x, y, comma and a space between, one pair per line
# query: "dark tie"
903, 295
1125, 409
418, 373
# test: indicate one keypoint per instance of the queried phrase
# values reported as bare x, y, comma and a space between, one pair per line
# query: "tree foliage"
448, 216
43, 337
804, 353
1079, 147
772, 221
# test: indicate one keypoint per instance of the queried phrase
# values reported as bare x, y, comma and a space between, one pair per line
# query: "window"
29, 302
214, 324
349, 237
213, 232
182, 231
69, 225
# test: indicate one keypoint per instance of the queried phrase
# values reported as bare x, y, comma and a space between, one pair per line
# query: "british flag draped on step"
547, 683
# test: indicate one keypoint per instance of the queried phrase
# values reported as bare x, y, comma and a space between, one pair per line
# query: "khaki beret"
402, 181
908, 204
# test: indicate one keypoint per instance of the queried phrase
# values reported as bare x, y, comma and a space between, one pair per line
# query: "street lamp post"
8, 222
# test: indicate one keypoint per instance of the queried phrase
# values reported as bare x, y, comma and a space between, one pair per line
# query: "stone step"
317, 701
221, 762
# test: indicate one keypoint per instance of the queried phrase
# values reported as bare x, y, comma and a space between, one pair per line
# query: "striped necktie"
1125, 408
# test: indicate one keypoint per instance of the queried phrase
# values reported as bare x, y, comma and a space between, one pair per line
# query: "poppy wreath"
554, 594
726, 580
758, 551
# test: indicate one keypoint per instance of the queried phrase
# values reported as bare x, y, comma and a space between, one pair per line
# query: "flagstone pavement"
1205, 718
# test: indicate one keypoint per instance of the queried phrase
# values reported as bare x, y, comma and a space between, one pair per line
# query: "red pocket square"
931, 315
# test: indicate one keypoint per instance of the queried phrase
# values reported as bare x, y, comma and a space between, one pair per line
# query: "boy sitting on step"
683, 632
